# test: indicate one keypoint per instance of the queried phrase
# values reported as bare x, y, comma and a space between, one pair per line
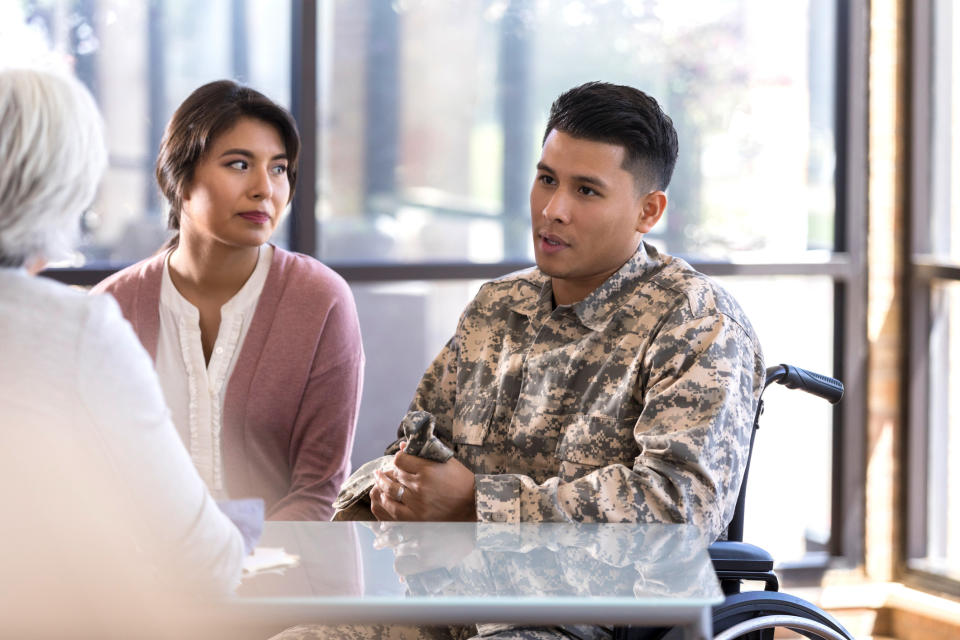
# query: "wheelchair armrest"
730, 556
738, 561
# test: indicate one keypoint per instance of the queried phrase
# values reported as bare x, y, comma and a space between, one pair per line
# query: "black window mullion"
917, 294
913, 479
838, 268
157, 99
514, 71
383, 108
303, 102
239, 41
850, 308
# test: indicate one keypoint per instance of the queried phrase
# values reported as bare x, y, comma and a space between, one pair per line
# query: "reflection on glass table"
457, 573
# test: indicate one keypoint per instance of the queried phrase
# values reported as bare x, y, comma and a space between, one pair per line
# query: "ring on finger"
400, 493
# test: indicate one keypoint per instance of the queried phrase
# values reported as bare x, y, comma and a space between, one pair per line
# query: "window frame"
846, 266
923, 271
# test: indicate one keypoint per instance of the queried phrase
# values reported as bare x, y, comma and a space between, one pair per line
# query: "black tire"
753, 604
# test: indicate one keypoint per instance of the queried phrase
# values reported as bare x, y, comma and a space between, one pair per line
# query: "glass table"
464, 573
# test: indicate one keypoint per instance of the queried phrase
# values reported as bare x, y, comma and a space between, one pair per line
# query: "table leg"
702, 628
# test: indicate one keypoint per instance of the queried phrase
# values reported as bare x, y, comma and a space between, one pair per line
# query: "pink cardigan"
291, 403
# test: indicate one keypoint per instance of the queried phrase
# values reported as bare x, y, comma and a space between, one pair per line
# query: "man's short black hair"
621, 115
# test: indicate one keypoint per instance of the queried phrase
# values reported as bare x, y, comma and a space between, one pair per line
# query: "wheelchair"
755, 615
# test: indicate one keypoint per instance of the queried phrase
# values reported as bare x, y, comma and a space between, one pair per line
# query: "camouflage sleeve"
698, 387
437, 392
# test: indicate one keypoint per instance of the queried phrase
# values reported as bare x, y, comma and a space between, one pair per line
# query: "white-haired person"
106, 523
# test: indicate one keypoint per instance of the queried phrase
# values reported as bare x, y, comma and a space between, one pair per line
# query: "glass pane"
942, 554
404, 326
793, 447
944, 237
788, 493
140, 60
432, 117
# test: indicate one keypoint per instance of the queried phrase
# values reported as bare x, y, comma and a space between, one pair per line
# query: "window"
795, 439
428, 121
933, 512
425, 161
140, 60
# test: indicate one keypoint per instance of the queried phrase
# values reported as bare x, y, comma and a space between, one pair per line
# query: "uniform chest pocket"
597, 440
470, 423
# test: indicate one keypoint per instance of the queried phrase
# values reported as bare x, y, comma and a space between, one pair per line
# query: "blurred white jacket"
106, 529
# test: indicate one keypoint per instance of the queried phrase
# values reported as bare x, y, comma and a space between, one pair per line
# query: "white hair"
52, 156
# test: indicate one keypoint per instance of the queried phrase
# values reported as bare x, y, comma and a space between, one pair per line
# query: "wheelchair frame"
754, 615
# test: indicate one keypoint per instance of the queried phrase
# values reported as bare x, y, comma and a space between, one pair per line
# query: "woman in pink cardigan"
257, 349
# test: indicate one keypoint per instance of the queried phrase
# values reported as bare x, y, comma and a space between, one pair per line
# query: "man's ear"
651, 207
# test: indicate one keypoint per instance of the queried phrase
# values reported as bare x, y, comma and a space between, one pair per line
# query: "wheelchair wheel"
754, 615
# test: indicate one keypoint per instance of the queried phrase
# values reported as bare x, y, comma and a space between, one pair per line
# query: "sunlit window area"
140, 60
934, 529
817, 182
429, 121
421, 166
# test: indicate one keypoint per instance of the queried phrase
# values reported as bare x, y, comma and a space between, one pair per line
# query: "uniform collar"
595, 310
535, 294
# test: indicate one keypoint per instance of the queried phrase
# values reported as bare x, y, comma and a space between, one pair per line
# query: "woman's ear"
651, 207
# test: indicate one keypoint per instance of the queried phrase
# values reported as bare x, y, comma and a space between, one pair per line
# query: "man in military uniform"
610, 383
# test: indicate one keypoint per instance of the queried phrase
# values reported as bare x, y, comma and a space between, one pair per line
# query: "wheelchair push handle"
830, 389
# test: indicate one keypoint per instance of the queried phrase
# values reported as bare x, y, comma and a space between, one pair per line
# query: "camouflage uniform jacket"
634, 404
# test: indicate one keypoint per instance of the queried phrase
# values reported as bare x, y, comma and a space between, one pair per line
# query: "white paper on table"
267, 559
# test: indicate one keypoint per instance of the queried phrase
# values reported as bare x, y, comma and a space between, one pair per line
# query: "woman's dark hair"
206, 113
620, 115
